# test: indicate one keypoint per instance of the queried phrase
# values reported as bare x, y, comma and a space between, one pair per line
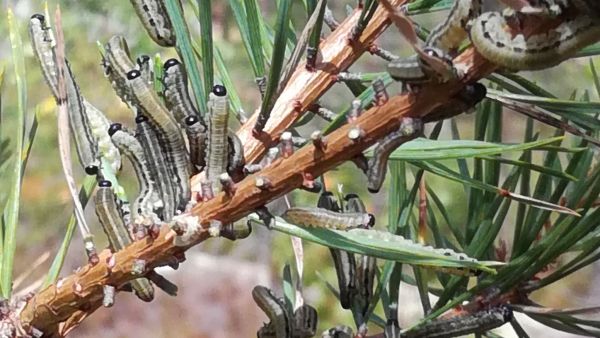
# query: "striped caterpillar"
409, 129
301, 324
159, 169
172, 142
197, 138
450, 33
280, 322
118, 236
148, 204
175, 92
217, 153
417, 70
156, 21
490, 37
343, 261
367, 265
117, 62
478, 322
323, 218
43, 45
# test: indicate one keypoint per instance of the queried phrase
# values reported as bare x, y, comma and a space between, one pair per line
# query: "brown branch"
81, 292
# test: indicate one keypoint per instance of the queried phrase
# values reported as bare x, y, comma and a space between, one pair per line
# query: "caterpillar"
159, 170
173, 144
305, 322
478, 322
99, 124
116, 63
340, 331
148, 204
273, 307
43, 43
417, 70
449, 34
490, 38
217, 153
409, 129
343, 261
175, 92
197, 138
235, 157
118, 237
323, 218
156, 21
367, 265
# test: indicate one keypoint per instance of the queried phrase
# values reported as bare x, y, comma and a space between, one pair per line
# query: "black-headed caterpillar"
173, 144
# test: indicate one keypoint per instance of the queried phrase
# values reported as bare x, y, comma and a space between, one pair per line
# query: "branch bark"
75, 297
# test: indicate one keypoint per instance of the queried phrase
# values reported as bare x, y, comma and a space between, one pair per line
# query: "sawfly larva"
449, 34
539, 51
217, 154
118, 236
343, 261
273, 307
305, 322
159, 169
197, 136
148, 204
117, 62
173, 144
323, 218
478, 322
409, 129
235, 158
156, 21
175, 92
43, 43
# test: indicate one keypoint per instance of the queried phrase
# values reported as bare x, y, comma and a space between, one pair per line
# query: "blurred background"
216, 281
